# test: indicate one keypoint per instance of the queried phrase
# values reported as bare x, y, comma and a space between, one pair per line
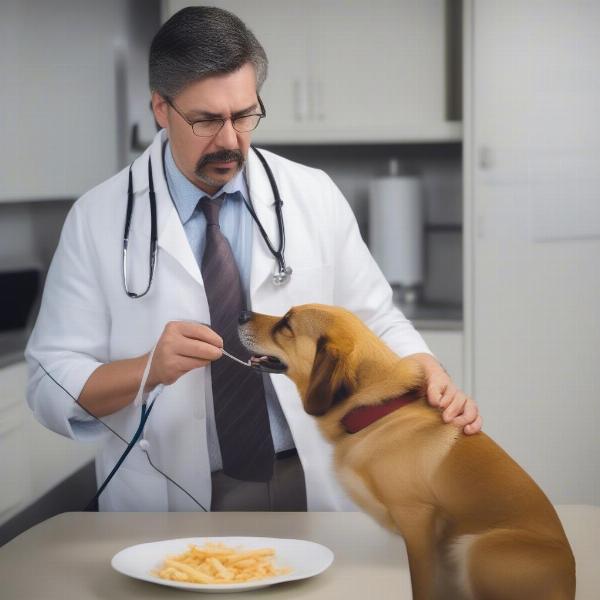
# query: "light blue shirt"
237, 226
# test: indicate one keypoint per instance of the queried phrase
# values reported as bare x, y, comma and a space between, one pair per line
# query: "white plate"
304, 558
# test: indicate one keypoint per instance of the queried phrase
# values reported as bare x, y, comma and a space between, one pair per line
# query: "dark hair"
200, 41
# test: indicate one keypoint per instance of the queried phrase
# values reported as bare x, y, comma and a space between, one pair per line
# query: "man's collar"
186, 195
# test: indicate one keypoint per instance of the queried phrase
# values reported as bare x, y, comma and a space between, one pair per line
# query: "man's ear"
159, 108
329, 381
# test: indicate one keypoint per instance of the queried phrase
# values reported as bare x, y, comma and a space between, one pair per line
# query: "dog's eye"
283, 327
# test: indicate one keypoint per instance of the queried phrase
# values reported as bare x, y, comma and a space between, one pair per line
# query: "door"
532, 176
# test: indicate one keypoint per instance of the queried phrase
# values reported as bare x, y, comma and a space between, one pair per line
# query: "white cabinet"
59, 114
33, 459
14, 477
532, 227
349, 70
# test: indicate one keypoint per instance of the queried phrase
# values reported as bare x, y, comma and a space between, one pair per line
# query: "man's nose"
227, 136
245, 316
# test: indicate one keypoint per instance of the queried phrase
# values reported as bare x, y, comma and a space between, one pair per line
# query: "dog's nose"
245, 316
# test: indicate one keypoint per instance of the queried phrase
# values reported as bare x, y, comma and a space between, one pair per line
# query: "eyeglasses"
210, 127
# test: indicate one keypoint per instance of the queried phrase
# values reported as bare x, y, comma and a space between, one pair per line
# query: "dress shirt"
237, 226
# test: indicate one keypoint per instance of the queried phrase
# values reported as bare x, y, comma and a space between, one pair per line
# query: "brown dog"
476, 526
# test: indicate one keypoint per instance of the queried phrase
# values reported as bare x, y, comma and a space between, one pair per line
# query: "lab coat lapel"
261, 194
171, 235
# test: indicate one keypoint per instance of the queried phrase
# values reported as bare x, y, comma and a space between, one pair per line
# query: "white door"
533, 200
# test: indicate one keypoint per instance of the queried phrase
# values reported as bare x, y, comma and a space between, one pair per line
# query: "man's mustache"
221, 156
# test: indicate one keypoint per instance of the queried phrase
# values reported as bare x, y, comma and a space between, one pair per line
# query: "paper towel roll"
396, 228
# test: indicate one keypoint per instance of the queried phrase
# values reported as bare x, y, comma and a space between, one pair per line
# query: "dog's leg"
519, 565
417, 525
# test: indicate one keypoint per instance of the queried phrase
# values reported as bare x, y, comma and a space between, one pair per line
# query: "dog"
475, 525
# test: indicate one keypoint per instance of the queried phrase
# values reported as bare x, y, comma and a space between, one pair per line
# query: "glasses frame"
191, 123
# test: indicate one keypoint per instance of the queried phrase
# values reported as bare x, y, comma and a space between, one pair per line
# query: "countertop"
69, 555
433, 315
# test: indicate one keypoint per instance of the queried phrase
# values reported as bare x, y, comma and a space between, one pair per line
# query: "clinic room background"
465, 136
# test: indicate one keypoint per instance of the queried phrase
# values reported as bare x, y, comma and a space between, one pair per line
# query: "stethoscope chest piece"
282, 276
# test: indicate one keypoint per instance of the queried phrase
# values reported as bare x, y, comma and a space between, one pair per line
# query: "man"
226, 437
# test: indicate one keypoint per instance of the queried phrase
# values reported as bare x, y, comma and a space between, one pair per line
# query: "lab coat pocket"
136, 487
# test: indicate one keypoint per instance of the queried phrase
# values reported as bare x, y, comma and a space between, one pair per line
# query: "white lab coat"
86, 320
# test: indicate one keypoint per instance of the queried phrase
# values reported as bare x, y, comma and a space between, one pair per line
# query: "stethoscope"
147, 404
282, 272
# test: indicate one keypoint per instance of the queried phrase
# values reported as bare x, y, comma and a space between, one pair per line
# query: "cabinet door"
33, 459
378, 70
58, 117
14, 477
535, 240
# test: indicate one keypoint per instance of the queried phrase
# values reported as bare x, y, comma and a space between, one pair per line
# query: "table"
68, 556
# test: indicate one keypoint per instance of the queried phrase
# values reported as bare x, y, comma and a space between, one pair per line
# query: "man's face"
210, 162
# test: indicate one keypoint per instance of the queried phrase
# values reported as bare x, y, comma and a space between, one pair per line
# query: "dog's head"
323, 349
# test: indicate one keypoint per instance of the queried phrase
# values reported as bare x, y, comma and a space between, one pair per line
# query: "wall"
439, 165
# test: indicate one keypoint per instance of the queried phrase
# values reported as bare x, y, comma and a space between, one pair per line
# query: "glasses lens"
207, 128
246, 123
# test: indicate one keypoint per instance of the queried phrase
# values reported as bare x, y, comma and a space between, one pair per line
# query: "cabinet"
59, 95
532, 231
33, 459
350, 71
13, 472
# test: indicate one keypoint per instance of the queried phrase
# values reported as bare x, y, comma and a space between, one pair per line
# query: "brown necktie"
238, 393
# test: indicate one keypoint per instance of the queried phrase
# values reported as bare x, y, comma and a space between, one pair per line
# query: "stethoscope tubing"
146, 408
153, 231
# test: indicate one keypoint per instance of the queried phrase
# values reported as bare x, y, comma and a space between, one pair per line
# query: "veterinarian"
122, 316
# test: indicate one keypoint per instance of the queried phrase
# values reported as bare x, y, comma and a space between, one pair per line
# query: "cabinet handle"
485, 158
453, 74
311, 99
300, 101
319, 101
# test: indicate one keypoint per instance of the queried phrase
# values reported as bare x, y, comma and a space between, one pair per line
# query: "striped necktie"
241, 415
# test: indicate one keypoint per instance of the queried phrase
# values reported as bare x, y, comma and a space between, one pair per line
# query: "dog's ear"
329, 381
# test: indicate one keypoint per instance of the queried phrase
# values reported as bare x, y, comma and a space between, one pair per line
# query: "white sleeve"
70, 337
361, 287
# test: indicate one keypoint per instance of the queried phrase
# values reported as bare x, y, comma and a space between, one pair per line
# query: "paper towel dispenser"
396, 234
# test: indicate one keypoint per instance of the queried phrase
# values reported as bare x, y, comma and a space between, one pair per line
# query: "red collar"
362, 416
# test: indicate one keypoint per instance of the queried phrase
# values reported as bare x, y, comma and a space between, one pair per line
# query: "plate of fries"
223, 564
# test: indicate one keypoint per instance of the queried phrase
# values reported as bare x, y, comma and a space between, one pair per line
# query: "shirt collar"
186, 195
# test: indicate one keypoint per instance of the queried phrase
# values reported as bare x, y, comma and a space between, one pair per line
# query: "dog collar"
362, 416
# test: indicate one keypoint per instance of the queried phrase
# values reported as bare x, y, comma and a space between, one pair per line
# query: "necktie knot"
211, 208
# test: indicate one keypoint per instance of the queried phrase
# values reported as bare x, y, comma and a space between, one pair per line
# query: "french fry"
217, 563
196, 575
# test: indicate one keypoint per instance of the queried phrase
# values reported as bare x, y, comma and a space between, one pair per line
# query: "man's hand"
457, 407
182, 346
